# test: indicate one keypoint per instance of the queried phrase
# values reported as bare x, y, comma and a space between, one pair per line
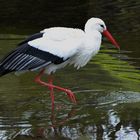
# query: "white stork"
54, 48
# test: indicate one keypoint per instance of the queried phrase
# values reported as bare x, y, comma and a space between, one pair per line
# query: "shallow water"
107, 90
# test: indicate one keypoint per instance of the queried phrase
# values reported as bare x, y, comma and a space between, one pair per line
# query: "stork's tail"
3, 71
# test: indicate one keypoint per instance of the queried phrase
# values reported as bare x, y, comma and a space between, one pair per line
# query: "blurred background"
107, 89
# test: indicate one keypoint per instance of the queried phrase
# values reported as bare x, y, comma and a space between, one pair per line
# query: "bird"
54, 48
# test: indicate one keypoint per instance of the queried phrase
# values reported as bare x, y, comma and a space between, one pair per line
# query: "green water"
108, 95
107, 89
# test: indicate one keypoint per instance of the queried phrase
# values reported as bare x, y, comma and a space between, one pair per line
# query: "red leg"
51, 93
51, 87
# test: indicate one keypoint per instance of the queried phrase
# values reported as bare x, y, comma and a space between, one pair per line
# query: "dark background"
38, 14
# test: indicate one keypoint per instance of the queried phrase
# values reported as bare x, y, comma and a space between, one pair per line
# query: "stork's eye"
102, 26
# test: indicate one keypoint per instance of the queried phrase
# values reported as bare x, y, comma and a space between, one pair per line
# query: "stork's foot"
69, 93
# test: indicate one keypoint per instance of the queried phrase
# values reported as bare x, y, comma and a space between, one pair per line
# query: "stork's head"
99, 25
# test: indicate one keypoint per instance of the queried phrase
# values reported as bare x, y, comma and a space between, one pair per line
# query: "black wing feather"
26, 57
30, 38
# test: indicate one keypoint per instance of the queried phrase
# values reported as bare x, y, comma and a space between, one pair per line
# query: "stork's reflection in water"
53, 130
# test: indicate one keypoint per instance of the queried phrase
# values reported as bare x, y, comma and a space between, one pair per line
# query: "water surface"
107, 89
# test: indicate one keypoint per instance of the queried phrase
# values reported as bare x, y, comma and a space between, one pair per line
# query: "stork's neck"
93, 40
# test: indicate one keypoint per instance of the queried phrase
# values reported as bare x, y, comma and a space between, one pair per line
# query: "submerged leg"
51, 93
51, 87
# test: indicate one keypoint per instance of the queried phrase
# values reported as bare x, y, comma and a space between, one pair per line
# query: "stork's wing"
54, 45
26, 57
63, 42
30, 38
62, 33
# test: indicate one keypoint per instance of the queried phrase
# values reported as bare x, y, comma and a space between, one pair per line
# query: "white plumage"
73, 44
62, 42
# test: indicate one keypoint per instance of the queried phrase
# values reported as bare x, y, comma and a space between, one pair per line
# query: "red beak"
108, 35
